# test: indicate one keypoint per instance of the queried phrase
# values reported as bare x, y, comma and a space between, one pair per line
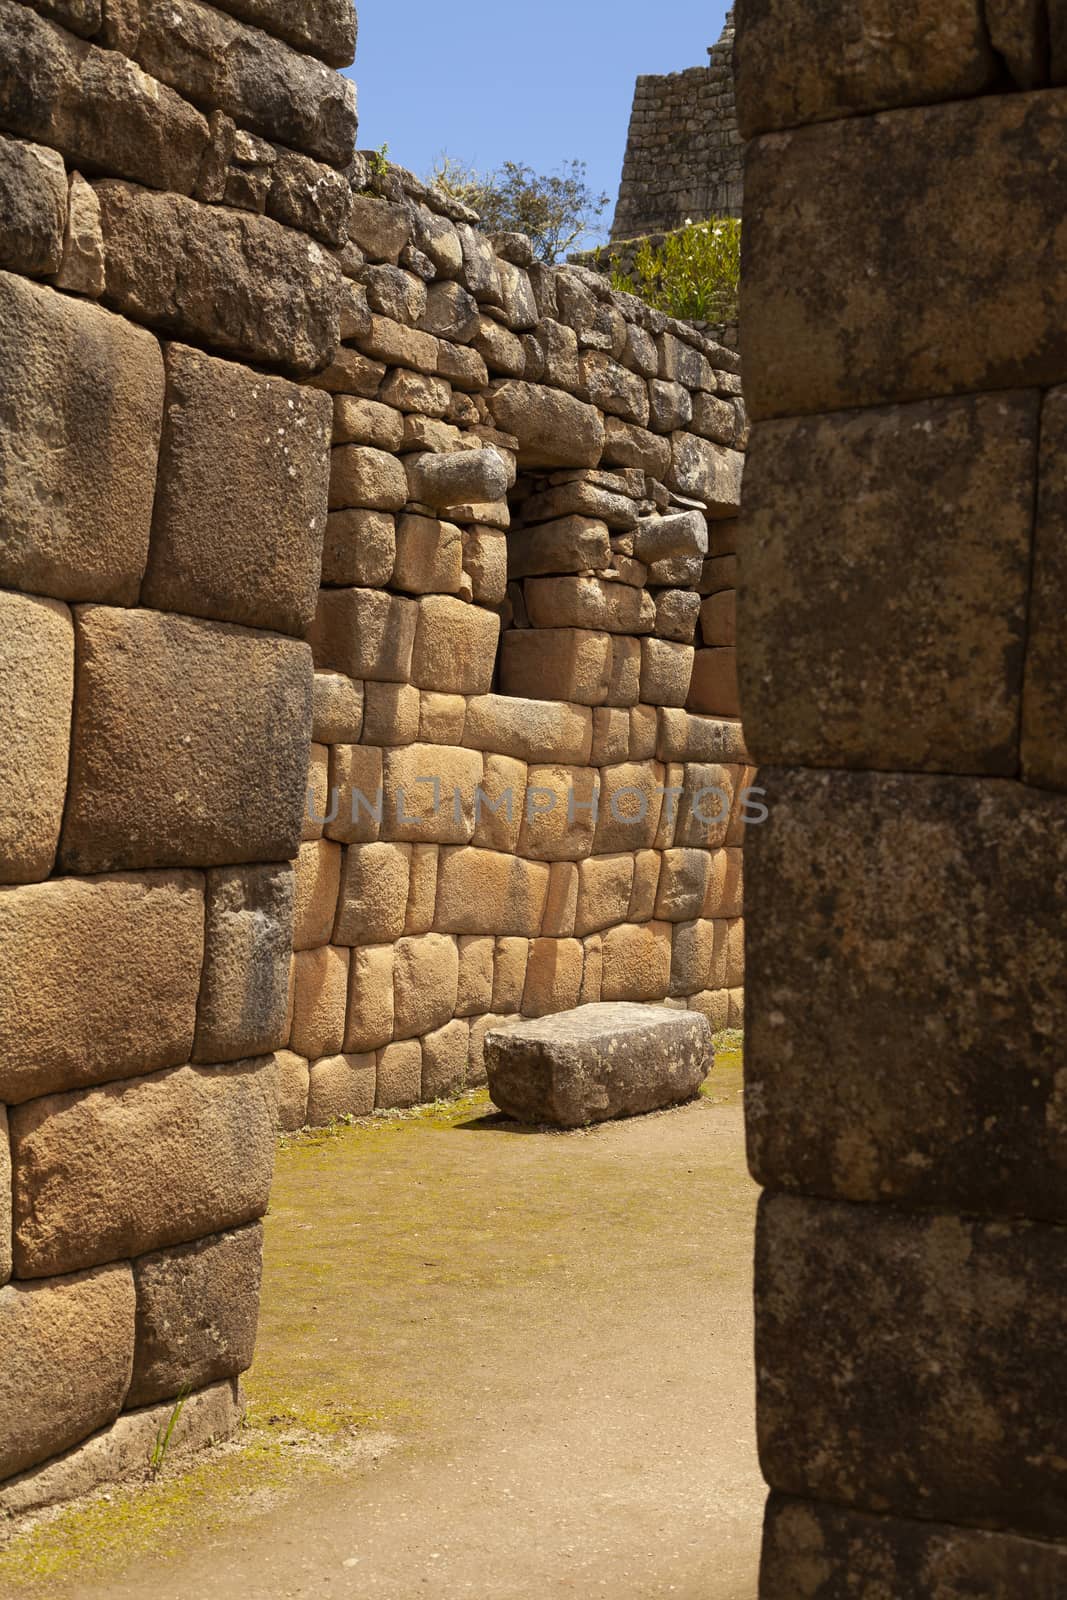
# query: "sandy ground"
556, 1332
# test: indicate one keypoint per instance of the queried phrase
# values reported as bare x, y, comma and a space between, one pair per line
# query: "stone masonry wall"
905, 346
171, 182
684, 158
525, 636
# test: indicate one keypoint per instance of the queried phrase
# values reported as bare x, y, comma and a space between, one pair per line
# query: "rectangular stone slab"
597, 1062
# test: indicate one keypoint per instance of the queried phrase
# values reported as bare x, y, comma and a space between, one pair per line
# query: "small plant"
165, 1431
694, 274
555, 210
378, 161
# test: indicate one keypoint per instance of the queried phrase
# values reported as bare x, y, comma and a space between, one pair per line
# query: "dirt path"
557, 1332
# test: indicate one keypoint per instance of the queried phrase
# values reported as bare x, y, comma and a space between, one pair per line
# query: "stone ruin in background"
301, 474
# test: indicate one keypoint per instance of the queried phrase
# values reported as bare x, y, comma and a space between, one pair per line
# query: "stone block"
430, 793
118, 1171
371, 480
795, 66
366, 422
560, 663
403, 347
356, 794
37, 670
319, 999
325, 29
350, 372
637, 962
553, 429
509, 973
83, 1325
485, 891
417, 392
561, 907
605, 884
5, 1198
528, 730
677, 611
611, 735
240, 507
96, 107
814, 1551
429, 556
924, 516
935, 870
240, 283
293, 1081
369, 1021
392, 714
1044, 759
580, 497
445, 1054
455, 646
631, 800
33, 206
394, 293
666, 672
499, 804
379, 228
706, 805
609, 386
425, 984
714, 689
559, 812
917, 314
570, 544
683, 884
341, 1086
718, 618
647, 864
98, 979
374, 894
197, 1308
475, 991
592, 603
441, 717
592, 971
315, 898
553, 977
942, 1328
81, 270
627, 446
82, 395
190, 743
485, 564
364, 634
477, 1076
359, 548
317, 804
683, 736
692, 952
219, 63
399, 1080
337, 709
707, 472
597, 1062
244, 989
459, 478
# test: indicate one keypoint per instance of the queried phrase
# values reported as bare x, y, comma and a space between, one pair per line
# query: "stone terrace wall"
162, 511
533, 497
907, 972
684, 152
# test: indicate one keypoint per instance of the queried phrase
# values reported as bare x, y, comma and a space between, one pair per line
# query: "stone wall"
684, 152
525, 653
169, 187
905, 366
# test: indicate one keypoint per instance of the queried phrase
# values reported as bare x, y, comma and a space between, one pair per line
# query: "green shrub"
693, 275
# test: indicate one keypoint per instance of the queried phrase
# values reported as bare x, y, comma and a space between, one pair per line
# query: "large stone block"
37, 671
399, 1079
320, 991
357, 794
429, 793
847, 867
1044, 748
920, 308
98, 979
553, 976
528, 730
707, 472
95, 106
425, 984
232, 280
934, 1389
455, 646
559, 812
814, 1551
486, 891
191, 743
445, 1054
82, 396
924, 518
365, 634
244, 990
553, 429
323, 28
370, 479
797, 64
222, 65
197, 1307
597, 1062
240, 507
33, 208
317, 881
605, 884
68, 1355
559, 663
369, 1021
374, 894
115, 1172
576, 602
293, 1085
631, 800
637, 962
341, 1086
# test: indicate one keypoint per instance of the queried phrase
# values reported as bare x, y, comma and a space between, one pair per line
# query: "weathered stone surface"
559, 812
326, 28
320, 990
314, 199
351, 373
631, 799
368, 478
425, 980
796, 65
605, 884
455, 646
318, 875
68, 1353
83, 17
924, 521
706, 472
553, 429
575, 602
379, 228
582, 498
244, 992
374, 894
850, 865
666, 673
5, 1194
82, 397
37, 671
341, 1086
197, 1307
429, 556
95, 106
445, 1054
530, 730
98, 979
682, 533
553, 977
814, 1551
475, 991
293, 1083
920, 310
364, 634
461, 478
627, 446
220, 64
563, 663
595, 1063
359, 548
392, 713
942, 1329
337, 709
369, 1023
399, 1082
682, 736
33, 208
228, 279
486, 891
1044, 755
429, 793
81, 270
422, 893
637, 962
366, 422
356, 798
117, 1171
240, 506
570, 544
122, 1449
718, 619
190, 745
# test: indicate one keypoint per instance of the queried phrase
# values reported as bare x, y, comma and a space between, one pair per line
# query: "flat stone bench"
597, 1062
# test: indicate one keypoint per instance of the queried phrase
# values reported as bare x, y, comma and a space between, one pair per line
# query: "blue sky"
488, 81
